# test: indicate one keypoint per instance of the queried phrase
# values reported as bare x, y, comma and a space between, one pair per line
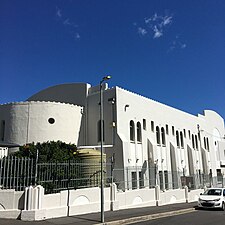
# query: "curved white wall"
28, 122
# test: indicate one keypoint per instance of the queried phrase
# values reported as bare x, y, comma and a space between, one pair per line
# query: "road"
177, 214
197, 217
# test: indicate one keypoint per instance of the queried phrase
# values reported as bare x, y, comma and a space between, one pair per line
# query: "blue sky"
170, 51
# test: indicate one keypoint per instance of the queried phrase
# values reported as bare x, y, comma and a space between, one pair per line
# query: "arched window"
177, 138
181, 140
132, 131
163, 136
193, 141
99, 131
139, 131
196, 141
157, 135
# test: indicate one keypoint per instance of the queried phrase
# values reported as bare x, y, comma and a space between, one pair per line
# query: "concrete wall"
28, 122
136, 198
3, 152
11, 203
38, 206
122, 106
133, 107
33, 204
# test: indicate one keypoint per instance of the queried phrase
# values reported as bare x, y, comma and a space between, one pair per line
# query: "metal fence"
18, 173
149, 177
72, 174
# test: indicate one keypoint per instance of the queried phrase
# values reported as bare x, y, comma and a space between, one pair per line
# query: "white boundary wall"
11, 203
3, 152
33, 204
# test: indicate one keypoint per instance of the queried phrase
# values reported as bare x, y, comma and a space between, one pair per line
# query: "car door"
224, 195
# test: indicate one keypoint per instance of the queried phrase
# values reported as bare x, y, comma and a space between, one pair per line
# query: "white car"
212, 198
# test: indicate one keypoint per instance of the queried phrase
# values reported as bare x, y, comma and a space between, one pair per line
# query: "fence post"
36, 166
186, 193
114, 205
157, 193
33, 204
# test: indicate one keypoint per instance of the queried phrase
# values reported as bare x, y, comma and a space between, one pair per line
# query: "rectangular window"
161, 180
184, 133
134, 180
152, 126
2, 130
173, 132
166, 180
167, 129
189, 134
144, 124
99, 131
141, 180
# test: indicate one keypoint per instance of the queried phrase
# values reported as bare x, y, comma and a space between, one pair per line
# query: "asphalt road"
197, 217
176, 214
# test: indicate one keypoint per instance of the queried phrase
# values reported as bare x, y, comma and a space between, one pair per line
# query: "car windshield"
213, 192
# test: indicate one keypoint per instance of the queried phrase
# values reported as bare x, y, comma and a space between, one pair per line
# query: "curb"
148, 217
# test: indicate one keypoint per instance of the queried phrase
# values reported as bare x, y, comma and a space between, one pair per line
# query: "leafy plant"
49, 151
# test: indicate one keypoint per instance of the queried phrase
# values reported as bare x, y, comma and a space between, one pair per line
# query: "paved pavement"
127, 216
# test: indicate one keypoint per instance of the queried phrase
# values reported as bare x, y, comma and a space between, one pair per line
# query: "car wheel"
223, 206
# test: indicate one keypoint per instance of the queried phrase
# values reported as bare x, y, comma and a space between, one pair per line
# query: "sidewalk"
126, 216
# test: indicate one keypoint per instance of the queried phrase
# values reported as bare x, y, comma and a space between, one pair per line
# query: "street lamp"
102, 136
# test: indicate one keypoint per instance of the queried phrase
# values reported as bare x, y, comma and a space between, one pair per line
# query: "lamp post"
102, 137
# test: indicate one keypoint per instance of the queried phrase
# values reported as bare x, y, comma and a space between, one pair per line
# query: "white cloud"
142, 31
58, 12
177, 44
66, 22
155, 25
77, 36
167, 20
183, 46
155, 17
148, 20
71, 27
157, 33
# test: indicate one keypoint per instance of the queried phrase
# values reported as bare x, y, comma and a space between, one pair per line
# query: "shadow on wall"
21, 202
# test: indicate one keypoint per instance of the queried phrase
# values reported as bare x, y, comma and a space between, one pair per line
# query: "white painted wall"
3, 152
11, 203
129, 106
35, 205
28, 122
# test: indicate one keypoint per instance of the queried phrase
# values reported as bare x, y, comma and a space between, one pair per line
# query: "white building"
151, 142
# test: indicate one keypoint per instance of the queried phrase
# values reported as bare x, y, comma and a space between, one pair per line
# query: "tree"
49, 151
